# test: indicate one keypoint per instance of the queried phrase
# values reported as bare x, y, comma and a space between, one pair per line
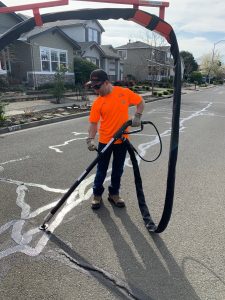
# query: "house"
112, 63
6, 22
145, 62
38, 54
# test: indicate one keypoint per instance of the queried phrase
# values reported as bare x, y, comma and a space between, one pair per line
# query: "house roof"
24, 17
164, 48
86, 45
17, 16
141, 45
46, 26
109, 51
68, 23
39, 30
134, 45
105, 50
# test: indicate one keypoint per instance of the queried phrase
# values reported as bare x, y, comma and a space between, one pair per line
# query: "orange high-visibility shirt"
112, 111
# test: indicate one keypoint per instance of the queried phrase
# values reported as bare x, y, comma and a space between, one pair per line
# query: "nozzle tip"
43, 227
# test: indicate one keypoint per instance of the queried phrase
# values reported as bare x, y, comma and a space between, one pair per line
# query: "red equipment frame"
35, 7
136, 3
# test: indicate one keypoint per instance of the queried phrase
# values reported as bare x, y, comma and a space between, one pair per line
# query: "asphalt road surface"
108, 254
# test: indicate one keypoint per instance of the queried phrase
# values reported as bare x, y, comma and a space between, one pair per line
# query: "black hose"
150, 22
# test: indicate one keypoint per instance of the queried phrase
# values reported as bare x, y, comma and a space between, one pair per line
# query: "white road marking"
83, 192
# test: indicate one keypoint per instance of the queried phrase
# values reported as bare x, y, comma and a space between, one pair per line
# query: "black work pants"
119, 154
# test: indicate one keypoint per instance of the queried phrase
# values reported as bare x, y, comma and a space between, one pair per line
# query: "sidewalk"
21, 107
52, 112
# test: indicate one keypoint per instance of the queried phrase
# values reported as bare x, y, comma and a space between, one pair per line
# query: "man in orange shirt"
111, 108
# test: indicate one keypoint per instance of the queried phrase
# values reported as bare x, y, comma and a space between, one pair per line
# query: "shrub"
155, 93
159, 94
196, 77
46, 86
2, 111
82, 70
69, 86
3, 83
165, 92
59, 81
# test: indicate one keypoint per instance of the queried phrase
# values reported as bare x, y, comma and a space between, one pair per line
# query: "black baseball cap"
97, 76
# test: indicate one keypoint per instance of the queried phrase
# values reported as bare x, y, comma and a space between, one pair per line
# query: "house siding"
23, 61
92, 53
136, 63
76, 33
80, 33
51, 40
6, 22
146, 63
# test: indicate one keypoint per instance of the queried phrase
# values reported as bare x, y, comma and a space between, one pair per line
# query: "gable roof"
39, 30
68, 23
110, 52
24, 17
134, 45
13, 13
86, 45
106, 51
47, 26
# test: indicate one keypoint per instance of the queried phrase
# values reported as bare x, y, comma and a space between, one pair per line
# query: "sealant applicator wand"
117, 135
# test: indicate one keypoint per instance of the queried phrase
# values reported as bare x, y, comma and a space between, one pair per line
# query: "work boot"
96, 202
116, 200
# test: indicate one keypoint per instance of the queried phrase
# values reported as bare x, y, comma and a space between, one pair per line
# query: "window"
123, 54
112, 65
45, 59
92, 35
52, 59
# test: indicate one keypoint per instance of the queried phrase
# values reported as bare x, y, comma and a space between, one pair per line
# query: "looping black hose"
160, 143
150, 22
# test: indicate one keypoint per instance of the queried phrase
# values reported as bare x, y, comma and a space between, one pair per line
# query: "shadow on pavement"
117, 286
157, 275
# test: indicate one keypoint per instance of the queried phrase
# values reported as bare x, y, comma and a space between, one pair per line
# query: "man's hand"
136, 121
91, 144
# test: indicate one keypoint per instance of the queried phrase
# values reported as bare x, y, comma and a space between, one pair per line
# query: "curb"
14, 128
42, 122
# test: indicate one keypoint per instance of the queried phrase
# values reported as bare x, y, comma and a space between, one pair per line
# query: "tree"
156, 57
59, 83
82, 70
211, 66
190, 65
196, 77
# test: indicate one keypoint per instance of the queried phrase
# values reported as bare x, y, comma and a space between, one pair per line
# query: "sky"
198, 24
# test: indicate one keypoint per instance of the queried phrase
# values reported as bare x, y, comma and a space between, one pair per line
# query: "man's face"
100, 88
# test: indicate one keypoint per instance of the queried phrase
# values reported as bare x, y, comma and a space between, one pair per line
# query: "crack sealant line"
123, 287
27, 237
42, 186
15, 160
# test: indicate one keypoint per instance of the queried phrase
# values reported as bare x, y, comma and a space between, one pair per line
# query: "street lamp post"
213, 54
